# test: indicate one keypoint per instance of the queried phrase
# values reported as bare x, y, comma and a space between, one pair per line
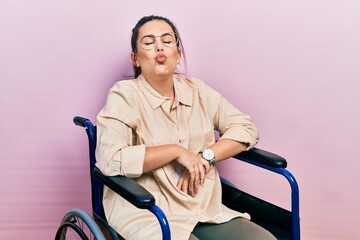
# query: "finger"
192, 181
180, 181
199, 169
202, 175
197, 182
185, 186
206, 165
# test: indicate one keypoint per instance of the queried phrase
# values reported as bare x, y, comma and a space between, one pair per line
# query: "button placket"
175, 125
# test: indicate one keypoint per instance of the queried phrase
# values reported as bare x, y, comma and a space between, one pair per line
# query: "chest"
190, 126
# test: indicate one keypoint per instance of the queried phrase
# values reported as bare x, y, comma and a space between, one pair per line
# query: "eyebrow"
153, 36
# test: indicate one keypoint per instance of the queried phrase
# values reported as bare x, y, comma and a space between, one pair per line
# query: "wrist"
178, 150
208, 155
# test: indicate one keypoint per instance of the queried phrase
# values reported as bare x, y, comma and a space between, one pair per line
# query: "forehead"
155, 27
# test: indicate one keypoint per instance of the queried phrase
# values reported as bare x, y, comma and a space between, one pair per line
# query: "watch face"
208, 154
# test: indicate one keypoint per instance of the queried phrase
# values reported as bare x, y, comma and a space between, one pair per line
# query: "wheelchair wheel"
77, 225
69, 230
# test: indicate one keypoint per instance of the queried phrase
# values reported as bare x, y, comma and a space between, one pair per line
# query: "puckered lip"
160, 58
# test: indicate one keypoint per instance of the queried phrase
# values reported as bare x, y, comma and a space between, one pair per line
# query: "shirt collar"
182, 92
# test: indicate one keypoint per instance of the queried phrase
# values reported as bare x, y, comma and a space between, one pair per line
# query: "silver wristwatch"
208, 155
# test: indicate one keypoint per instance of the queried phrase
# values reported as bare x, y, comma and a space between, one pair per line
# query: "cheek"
176, 56
143, 58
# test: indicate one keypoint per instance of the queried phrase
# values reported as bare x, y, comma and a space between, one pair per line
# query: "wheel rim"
73, 229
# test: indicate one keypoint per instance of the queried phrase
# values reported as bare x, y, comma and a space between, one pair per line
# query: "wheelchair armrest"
262, 157
127, 188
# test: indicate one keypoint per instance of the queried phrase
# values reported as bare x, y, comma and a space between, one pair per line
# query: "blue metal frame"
295, 212
96, 195
164, 224
91, 131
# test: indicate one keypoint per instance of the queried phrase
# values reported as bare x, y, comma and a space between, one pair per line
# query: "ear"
133, 57
179, 57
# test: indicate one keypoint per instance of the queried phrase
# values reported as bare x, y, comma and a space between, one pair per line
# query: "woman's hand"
190, 181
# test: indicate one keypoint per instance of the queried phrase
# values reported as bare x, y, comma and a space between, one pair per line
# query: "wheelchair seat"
282, 223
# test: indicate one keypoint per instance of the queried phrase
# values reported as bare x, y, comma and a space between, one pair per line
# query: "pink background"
293, 65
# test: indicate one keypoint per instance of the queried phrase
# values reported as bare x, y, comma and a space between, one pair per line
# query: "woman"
159, 130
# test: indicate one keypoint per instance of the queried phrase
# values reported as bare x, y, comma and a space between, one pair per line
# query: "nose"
159, 46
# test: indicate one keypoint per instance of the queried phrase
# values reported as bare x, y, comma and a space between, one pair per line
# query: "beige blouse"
135, 116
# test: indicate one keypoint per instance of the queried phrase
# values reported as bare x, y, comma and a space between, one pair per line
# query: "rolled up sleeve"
132, 160
116, 153
235, 125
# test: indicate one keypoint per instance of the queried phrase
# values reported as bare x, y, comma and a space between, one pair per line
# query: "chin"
164, 72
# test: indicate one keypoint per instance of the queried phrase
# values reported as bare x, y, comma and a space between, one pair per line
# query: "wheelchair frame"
141, 198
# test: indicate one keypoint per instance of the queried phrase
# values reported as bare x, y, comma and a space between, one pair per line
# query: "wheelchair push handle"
80, 121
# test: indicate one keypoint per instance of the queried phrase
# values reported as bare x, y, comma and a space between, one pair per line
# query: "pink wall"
293, 65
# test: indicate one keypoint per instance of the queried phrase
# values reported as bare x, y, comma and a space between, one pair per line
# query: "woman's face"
156, 56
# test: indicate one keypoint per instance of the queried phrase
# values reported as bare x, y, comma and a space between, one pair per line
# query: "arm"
237, 131
226, 148
117, 156
159, 156
229, 121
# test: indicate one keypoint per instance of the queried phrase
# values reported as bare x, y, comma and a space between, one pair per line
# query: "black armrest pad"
263, 157
127, 188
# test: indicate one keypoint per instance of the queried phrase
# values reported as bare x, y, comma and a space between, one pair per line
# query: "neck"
163, 85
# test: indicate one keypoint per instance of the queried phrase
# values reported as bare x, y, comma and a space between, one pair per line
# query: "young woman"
159, 129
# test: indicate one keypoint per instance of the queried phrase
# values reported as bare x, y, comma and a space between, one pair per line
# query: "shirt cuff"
243, 136
132, 161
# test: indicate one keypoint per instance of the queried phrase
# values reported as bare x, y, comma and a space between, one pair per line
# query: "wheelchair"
282, 223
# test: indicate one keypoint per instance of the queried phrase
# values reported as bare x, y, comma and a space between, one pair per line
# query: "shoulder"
194, 84
119, 101
125, 90
125, 86
120, 95
191, 82
199, 86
